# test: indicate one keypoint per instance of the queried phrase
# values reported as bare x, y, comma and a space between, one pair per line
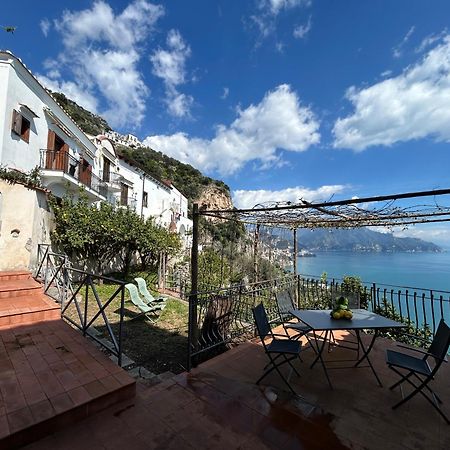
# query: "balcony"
57, 166
113, 181
128, 202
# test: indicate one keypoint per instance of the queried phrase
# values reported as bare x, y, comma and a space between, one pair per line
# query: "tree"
103, 232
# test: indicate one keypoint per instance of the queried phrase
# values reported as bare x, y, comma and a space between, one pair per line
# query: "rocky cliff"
213, 197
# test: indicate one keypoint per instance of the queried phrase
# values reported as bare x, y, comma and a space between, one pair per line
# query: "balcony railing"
128, 202
113, 179
222, 316
63, 162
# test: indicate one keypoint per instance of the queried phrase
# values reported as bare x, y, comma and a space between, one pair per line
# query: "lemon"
336, 315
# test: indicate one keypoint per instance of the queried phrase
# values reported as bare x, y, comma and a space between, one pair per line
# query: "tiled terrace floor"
50, 375
218, 406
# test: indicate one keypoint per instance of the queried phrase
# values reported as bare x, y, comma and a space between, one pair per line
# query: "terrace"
217, 404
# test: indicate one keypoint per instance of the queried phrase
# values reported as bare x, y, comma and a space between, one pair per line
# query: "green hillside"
90, 123
186, 178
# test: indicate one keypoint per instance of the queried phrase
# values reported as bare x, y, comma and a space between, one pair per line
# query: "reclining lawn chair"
145, 309
148, 297
285, 306
420, 369
286, 349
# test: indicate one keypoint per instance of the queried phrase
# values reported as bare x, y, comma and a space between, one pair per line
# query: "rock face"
213, 197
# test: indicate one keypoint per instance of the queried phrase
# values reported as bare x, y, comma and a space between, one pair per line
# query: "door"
57, 155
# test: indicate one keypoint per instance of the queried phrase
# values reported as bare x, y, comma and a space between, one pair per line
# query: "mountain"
350, 240
360, 240
190, 181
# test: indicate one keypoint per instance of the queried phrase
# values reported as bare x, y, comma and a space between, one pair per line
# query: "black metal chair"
279, 351
419, 367
285, 306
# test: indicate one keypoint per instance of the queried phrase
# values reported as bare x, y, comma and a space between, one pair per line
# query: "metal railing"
222, 316
81, 304
51, 271
62, 161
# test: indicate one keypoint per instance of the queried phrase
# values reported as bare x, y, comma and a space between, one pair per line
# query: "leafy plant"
90, 232
29, 179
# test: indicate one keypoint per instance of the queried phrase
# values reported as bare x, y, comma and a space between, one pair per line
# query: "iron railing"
51, 271
222, 317
62, 161
81, 304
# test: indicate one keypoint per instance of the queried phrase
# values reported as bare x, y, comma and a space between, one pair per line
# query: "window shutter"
16, 126
51, 140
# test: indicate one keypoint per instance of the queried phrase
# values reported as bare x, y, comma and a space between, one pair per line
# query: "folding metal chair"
285, 306
420, 369
279, 351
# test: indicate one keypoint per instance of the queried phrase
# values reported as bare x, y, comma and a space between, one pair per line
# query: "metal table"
321, 321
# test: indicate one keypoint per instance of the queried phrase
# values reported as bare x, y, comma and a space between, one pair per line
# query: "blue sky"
279, 98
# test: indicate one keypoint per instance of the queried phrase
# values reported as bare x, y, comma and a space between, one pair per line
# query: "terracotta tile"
20, 419
4, 426
95, 389
110, 383
42, 410
14, 402
79, 395
123, 378
61, 403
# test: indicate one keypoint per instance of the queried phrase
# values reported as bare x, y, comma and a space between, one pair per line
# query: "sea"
419, 270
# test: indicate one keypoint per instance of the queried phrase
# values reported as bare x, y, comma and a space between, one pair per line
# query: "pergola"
379, 211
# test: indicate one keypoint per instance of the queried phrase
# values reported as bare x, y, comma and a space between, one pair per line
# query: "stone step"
15, 275
52, 377
19, 288
28, 309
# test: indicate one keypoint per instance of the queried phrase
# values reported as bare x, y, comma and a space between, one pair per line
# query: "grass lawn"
160, 346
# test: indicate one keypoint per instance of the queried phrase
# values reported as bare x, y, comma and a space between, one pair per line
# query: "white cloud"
430, 40
397, 51
248, 199
178, 104
438, 234
45, 26
275, 6
301, 31
412, 105
101, 54
225, 93
71, 90
277, 122
170, 66
268, 10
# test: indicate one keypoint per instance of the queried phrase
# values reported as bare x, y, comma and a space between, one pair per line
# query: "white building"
35, 131
128, 139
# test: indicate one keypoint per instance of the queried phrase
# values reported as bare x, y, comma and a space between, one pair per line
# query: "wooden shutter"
64, 155
51, 140
16, 126
50, 152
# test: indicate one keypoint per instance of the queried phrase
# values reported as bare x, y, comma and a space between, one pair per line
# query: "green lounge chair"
145, 310
148, 298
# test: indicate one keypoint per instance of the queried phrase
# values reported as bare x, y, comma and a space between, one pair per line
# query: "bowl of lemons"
341, 310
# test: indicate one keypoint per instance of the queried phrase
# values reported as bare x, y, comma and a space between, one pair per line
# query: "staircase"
50, 375
22, 300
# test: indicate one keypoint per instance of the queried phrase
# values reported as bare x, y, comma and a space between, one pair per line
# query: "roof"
45, 89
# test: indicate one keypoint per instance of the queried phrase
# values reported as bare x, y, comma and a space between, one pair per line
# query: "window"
145, 199
123, 194
106, 169
21, 126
